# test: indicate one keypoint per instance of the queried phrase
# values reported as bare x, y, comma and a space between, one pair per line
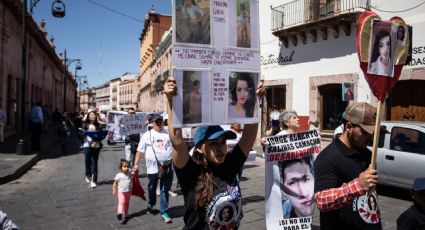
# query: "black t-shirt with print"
225, 210
338, 164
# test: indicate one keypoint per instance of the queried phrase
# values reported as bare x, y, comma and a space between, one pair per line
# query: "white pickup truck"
401, 153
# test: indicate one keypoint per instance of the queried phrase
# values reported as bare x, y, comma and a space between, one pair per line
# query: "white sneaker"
172, 194
87, 179
92, 184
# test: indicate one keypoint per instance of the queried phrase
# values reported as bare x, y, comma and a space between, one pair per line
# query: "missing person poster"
290, 179
216, 61
347, 90
113, 126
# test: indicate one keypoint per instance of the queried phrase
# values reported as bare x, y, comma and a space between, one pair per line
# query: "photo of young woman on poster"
192, 103
242, 100
192, 21
243, 23
347, 91
297, 187
380, 62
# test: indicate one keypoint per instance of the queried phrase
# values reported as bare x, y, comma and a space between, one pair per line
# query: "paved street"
54, 195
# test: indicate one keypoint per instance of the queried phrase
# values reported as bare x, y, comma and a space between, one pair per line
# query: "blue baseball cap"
419, 184
212, 132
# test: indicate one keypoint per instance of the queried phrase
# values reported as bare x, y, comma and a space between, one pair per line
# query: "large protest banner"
216, 61
289, 191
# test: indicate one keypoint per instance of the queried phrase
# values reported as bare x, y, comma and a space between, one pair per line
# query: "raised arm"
180, 153
250, 130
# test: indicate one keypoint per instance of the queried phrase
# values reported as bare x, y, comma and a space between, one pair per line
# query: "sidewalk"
12, 165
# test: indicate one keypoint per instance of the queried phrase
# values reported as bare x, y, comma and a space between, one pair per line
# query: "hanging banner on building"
382, 48
290, 179
216, 61
133, 123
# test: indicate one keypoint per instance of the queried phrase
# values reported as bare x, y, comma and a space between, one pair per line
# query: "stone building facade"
46, 80
152, 70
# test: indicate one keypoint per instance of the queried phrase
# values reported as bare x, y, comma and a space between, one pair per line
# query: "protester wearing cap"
208, 178
342, 177
414, 217
156, 146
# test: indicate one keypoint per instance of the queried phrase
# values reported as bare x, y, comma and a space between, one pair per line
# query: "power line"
115, 11
399, 11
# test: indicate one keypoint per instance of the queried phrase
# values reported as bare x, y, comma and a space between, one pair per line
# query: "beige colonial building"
46, 80
126, 97
103, 94
87, 99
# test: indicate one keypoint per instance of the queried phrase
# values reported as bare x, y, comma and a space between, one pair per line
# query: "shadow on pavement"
251, 199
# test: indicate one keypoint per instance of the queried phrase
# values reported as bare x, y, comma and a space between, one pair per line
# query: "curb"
25, 167
21, 170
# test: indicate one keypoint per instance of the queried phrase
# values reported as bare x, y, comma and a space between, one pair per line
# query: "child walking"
122, 181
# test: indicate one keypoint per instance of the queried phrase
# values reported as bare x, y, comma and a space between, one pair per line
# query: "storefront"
309, 62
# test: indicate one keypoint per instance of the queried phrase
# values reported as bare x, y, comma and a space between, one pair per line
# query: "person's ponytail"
204, 189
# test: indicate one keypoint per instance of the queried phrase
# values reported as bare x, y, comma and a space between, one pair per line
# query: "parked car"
401, 153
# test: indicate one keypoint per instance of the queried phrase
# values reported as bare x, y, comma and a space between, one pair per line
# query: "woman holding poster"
242, 93
208, 177
297, 186
380, 62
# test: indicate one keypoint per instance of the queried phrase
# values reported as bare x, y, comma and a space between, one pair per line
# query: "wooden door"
406, 102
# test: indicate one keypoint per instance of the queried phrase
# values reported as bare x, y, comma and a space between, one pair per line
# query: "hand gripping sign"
382, 48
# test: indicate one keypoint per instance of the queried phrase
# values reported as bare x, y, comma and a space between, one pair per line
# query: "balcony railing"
306, 11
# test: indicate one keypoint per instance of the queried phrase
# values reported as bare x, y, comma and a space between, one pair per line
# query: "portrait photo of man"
297, 187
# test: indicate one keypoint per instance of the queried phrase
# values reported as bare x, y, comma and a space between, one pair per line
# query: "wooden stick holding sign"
382, 52
376, 134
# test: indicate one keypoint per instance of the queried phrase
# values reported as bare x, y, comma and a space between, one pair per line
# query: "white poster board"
289, 191
215, 42
113, 126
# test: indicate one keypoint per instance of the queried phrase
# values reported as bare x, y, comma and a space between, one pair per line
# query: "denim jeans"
164, 185
91, 157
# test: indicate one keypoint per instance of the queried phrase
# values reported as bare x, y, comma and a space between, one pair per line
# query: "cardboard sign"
216, 62
289, 173
382, 48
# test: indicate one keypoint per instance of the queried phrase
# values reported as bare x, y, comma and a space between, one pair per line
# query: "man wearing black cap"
414, 217
156, 146
342, 177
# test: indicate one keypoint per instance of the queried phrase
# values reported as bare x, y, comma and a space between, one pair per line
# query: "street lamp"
22, 146
67, 63
81, 80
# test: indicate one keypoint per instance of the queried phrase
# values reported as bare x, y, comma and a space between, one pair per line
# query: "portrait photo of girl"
243, 23
380, 50
242, 100
192, 21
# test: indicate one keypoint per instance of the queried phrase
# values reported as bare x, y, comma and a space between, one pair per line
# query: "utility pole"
22, 146
64, 81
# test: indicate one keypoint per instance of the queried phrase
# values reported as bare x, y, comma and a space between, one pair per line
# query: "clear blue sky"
106, 42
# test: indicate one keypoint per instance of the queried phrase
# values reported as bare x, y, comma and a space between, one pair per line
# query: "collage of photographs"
242, 102
386, 39
194, 26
